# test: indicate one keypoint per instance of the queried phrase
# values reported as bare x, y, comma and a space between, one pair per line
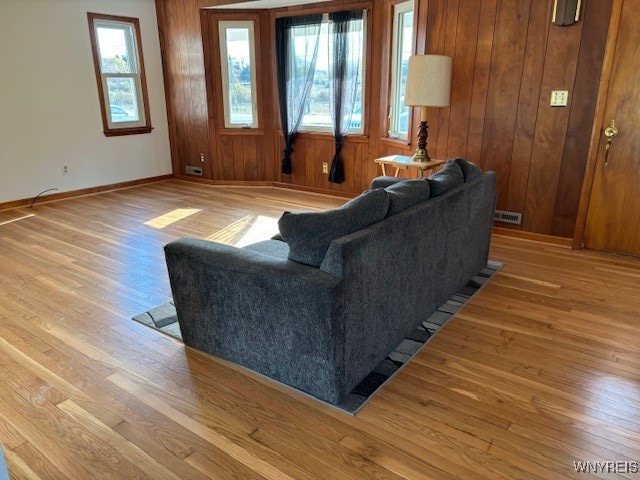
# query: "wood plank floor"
540, 370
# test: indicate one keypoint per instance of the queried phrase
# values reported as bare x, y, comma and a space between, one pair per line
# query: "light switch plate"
559, 98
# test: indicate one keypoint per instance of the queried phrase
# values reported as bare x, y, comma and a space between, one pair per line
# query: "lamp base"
421, 155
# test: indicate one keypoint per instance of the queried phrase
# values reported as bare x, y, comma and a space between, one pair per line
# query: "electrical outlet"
65, 169
325, 167
559, 98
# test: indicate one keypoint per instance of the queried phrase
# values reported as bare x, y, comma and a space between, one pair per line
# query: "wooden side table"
404, 162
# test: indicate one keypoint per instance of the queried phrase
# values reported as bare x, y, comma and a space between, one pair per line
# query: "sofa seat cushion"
309, 234
407, 193
446, 179
273, 248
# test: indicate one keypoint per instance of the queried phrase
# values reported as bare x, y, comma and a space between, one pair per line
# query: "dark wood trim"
118, 132
83, 191
110, 131
306, 135
536, 237
243, 132
328, 7
594, 144
207, 5
143, 77
216, 62
96, 67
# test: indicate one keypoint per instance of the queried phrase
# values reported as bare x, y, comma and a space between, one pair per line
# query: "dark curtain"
297, 40
345, 77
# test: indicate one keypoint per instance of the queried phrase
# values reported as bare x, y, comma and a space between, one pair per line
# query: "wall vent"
508, 217
189, 170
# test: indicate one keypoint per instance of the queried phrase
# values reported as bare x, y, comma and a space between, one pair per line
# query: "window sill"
241, 131
119, 132
354, 138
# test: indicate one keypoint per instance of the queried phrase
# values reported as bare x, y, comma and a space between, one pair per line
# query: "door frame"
598, 119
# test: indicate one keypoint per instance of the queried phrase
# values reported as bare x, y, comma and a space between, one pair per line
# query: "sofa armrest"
268, 314
213, 256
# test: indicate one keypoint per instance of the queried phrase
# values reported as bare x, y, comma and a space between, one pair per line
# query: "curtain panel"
348, 52
297, 41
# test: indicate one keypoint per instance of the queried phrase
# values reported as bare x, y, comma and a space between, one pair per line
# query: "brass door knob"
611, 131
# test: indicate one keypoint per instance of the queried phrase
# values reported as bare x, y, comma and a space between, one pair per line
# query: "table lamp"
428, 85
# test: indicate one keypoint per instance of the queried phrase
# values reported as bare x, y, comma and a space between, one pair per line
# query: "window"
237, 54
317, 115
117, 57
401, 49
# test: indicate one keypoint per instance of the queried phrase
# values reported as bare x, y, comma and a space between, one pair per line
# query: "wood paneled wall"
185, 87
508, 56
239, 154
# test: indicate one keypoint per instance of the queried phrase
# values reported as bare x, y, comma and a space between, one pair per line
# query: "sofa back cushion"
384, 181
309, 234
469, 170
407, 193
446, 179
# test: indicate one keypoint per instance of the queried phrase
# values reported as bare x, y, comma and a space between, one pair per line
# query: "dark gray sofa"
322, 329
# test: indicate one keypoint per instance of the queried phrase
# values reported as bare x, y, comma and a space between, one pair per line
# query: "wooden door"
613, 219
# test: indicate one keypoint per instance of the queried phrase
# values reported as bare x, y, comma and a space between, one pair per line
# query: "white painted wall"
49, 107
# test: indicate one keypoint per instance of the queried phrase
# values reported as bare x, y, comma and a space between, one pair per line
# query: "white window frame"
223, 25
134, 51
395, 107
352, 131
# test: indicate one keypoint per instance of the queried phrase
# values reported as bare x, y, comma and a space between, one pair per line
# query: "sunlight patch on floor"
249, 229
613, 401
171, 217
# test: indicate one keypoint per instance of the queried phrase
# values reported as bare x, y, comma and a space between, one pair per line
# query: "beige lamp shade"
428, 81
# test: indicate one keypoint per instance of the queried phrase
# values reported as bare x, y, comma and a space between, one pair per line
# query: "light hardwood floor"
540, 370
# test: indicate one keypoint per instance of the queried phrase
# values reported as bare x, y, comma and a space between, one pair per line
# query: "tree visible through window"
117, 55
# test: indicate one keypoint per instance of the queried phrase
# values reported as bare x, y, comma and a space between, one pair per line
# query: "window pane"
115, 44
318, 110
117, 56
403, 47
123, 99
239, 76
406, 42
